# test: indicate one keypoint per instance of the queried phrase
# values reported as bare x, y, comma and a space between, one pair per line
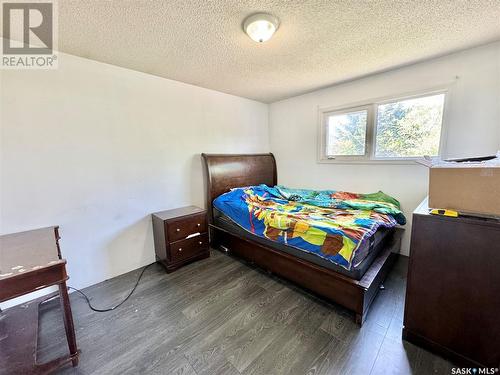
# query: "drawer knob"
180, 249
201, 243
177, 230
199, 225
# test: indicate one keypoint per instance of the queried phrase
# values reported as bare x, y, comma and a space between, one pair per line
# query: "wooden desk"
30, 261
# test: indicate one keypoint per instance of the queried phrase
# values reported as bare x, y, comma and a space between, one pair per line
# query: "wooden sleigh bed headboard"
226, 171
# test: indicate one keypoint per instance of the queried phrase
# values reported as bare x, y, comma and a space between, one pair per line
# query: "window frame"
371, 128
326, 116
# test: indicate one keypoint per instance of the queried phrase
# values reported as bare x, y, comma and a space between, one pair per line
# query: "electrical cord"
118, 305
110, 308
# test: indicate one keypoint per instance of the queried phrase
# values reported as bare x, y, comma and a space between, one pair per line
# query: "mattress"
363, 259
329, 224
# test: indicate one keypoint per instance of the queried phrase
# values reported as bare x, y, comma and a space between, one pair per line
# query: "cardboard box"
467, 187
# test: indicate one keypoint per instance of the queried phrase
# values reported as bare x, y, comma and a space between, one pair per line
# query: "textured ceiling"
319, 43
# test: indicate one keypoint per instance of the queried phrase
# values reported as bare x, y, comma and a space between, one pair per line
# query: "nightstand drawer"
181, 228
187, 248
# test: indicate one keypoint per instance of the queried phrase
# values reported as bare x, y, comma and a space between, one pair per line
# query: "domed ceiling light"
260, 27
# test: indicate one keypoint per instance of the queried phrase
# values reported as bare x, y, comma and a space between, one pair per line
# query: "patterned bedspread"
330, 224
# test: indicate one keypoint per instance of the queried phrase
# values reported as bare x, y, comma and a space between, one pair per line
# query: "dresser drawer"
187, 248
182, 227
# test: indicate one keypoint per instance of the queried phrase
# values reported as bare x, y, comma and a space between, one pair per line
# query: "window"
409, 128
396, 129
346, 133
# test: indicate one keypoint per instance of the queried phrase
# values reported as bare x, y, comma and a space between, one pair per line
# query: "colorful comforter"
330, 224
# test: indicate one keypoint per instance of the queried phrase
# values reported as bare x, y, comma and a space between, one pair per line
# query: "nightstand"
180, 236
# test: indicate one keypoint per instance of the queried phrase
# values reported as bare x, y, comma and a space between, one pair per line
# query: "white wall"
473, 125
95, 149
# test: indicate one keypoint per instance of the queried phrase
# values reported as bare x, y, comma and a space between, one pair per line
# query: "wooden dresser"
453, 291
180, 236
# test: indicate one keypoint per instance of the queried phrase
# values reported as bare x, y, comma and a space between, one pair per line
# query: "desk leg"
68, 323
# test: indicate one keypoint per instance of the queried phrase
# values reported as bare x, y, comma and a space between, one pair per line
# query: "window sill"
370, 161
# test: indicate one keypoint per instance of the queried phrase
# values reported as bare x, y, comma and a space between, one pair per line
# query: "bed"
354, 289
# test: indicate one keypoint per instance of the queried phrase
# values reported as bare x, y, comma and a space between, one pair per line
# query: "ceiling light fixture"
260, 27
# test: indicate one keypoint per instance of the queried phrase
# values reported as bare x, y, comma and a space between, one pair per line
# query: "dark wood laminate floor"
221, 316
